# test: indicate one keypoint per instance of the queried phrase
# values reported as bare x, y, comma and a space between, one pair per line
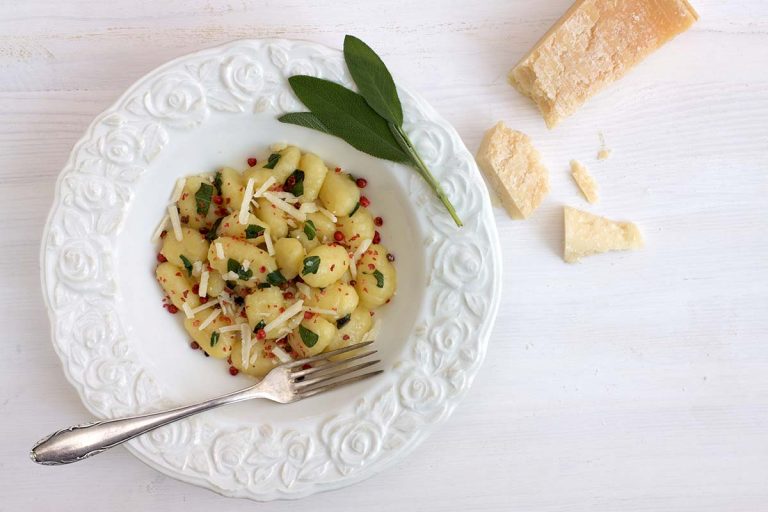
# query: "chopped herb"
203, 198
351, 178
295, 183
231, 284
311, 265
272, 161
217, 182
354, 210
341, 322
310, 230
211, 235
259, 326
187, 263
253, 231
214, 338
379, 278
308, 337
276, 278
239, 300
261, 286
237, 268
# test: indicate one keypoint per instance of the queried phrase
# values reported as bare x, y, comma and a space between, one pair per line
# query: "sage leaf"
373, 80
305, 119
347, 116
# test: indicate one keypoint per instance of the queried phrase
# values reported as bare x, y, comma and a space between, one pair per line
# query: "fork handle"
78, 442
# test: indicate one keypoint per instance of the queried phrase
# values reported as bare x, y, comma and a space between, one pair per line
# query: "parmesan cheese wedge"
595, 43
587, 234
514, 170
585, 181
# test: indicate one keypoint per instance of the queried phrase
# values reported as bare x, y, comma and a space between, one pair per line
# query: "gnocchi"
277, 263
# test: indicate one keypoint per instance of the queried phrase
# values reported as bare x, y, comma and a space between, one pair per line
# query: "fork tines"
327, 374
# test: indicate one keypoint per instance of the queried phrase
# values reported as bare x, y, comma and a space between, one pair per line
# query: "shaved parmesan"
219, 250
268, 242
178, 190
304, 289
244, 210
254, 356
160, 228
245, 351
283, 317
231, 276
265, 186
204, 283
210, 319
308, 208
188, 310
282, 205
286, 196
173, 213
364, 245
281, 354
230, 328
246, 264
328, 214
197, 268
203, 307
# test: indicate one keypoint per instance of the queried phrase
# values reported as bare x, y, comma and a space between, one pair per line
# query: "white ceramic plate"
126, 355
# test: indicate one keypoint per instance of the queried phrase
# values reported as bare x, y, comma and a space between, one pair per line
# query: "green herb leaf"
231, 284
203, 198
211, 234
253, 231
305, 119
276, 278
298, 186
187, 263
272, 161
261, 286
214, 338
341, 322
217, 182
347, 116
259, 326
354, 210
237, 268
379, 278
311, 265
308, 337
309, 229
373, 80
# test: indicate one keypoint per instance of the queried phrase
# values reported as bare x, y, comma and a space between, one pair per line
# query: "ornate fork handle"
73, 444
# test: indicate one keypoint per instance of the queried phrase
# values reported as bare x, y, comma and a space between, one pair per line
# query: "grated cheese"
264, 187
246, 264
321, 311
308, 208
254, 356
209, 320
268, 242
281, 354
219, 250
203, 307
173, 213
204, 283
178, 189
291, 223
197, 268
160, 228
255, 204
231, 276
328, 214
187, 310
244, 210
304, 289
364, 245
283, 317
287, 197
231, 328
282, 205
245, 350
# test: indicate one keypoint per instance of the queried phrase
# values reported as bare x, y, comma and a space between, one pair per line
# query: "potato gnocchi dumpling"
277, 263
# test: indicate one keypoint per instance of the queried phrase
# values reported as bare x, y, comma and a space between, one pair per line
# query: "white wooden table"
632, 382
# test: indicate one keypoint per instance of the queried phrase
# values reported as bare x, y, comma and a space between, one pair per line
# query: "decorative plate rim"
480, 301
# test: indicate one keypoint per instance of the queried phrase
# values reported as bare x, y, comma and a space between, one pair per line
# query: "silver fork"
284, 384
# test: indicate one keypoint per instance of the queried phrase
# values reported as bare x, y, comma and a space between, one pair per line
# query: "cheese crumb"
585, 181
173, 213
603, 154
587, 234
219, 250
514, 170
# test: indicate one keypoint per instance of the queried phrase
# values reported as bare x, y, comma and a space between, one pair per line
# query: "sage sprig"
370, 121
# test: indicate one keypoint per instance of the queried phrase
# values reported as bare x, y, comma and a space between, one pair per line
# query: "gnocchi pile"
280, 262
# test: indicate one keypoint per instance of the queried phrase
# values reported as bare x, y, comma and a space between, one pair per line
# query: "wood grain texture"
633, 382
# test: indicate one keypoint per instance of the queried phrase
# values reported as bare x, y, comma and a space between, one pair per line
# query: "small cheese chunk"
514, 170
587, 234
603, 154
595, 43
585, 181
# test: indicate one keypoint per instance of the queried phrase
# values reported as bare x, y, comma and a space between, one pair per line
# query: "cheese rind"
587, 234
585, 181
595, 43
514, 170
